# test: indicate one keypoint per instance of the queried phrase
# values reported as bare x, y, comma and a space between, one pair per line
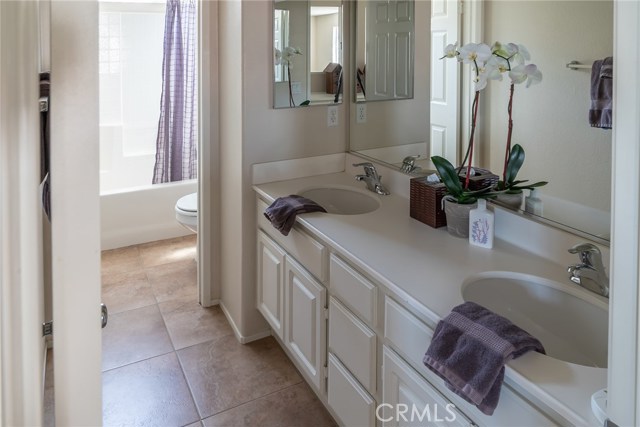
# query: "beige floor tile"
121, 260
127, 291
148, 393
134, 335
168, 251
198, 424
224, 373
177, 280
295, 406
189, 323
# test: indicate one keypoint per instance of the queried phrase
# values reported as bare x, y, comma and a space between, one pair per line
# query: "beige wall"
251, 131
550, 119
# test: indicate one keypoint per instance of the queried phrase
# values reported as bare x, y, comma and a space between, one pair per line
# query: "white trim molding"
624, 357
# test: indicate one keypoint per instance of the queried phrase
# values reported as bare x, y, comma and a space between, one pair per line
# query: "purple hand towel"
282, 212
469, 350
601, 113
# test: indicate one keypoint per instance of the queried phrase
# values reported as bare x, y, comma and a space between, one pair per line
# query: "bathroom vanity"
354, 300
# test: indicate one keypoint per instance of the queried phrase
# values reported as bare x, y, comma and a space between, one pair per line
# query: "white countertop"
427, 266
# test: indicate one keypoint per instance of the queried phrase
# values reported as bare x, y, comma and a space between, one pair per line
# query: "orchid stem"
509, 132
469, 154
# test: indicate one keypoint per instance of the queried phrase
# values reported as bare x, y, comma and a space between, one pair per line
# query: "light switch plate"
332, 116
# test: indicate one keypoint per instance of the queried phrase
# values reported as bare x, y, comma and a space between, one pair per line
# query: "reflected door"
389, 49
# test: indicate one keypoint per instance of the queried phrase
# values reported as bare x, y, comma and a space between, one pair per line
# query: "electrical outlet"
361, 113
332, 116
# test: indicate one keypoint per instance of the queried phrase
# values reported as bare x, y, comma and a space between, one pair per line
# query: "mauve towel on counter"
282, 212
469, 350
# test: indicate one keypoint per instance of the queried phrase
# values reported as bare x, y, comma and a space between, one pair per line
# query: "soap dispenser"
532, 203
481, 226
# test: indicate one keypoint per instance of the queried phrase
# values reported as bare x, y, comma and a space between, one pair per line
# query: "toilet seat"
187, 211
188, 204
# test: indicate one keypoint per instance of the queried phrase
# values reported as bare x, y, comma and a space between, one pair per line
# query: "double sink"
571, 324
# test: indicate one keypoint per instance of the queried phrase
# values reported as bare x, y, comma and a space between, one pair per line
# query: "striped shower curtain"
177, 140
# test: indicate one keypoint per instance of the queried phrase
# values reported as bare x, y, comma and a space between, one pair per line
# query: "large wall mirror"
307, 45
550, 119
384, 49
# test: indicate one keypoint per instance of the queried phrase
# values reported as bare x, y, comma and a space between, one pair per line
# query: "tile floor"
167, 361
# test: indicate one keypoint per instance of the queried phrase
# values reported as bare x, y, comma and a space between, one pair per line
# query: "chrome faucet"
590, 272
409, 164
371, 178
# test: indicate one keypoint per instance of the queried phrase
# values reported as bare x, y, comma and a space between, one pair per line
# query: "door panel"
305, 325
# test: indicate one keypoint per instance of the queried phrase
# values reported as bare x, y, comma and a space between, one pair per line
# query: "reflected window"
280, 41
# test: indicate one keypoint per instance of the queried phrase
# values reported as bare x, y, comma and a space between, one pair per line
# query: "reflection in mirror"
395, 129
550, 119
307, 42
385, 45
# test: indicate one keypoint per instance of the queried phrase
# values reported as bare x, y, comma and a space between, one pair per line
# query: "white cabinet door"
409, 400
305, 322
270, 283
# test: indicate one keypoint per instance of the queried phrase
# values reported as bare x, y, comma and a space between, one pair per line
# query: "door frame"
21, 257
75, 204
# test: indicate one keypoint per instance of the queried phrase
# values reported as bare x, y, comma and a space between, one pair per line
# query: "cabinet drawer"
348, 400
410, 337
353, 343
405, 388
405, 332
304, 248
353, 289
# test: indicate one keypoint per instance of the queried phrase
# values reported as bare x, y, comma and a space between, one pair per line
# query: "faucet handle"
586, 252
369, 169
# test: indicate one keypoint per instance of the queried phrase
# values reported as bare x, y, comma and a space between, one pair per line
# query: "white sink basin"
571, 324
342, 200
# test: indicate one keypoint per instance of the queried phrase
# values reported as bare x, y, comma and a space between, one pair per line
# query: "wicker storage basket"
424, 202
425, 198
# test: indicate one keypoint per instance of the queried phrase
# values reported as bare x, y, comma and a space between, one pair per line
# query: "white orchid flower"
287, 55
478, 53
451, 51
511, 52
500, 65
528, 73
486, 73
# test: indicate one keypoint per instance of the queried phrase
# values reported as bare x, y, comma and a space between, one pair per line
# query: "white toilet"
187, 211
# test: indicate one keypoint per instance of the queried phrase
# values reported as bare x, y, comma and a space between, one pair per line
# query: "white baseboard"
241, 338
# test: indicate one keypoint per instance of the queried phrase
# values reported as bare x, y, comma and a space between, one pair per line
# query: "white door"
305, 322
389, 52
445, 81
75, 212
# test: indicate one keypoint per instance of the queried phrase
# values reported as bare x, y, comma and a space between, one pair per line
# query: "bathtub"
142, 214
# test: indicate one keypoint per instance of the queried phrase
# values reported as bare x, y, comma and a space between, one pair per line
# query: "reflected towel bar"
575, 65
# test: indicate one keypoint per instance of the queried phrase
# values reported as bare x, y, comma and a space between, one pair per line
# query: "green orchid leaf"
516, 159
305, 103
448, 176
